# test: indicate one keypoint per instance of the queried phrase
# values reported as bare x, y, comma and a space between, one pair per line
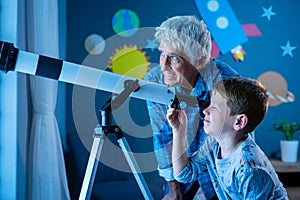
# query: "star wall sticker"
287, 49
268, 13
151, 44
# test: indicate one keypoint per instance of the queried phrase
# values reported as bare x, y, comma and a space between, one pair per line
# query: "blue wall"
262, 53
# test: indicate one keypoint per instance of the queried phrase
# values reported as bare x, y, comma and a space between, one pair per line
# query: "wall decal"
94, 44
125, 22
129, 61
277, 88
222, 23
287, 49
151, 44
268, 13
238, 53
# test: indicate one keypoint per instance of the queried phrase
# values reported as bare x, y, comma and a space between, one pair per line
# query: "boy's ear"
240, 122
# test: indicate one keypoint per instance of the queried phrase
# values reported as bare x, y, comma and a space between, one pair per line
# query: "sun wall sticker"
129, 61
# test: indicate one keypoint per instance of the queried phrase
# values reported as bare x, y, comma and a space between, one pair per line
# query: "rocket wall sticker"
227, 32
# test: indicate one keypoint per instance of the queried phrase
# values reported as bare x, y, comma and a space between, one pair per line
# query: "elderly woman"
185, 63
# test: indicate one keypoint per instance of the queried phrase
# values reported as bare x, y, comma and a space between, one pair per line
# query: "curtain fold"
46, 167
47, 175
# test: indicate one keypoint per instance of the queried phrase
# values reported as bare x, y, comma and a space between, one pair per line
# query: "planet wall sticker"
125, 22
94, 44
277, 88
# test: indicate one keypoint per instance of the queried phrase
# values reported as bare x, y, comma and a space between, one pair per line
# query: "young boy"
237, 166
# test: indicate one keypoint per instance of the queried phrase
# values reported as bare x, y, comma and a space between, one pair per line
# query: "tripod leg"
92, 166
135, 168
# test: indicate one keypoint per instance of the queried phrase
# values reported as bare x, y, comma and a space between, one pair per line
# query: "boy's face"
217, 116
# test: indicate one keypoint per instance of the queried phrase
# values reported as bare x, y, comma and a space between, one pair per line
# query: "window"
8, 107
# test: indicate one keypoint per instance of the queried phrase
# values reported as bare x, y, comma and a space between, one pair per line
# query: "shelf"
293, 192
283, 167
288, 173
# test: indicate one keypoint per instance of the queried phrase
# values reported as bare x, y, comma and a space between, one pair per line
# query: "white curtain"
46, 168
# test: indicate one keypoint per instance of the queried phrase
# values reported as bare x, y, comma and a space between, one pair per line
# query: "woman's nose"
164, 63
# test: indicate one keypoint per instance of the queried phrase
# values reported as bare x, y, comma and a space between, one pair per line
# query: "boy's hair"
187, 34
245, 96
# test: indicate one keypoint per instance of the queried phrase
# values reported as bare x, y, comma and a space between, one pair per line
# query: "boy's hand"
177, 118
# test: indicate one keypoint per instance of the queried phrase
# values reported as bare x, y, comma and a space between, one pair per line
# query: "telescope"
14, 59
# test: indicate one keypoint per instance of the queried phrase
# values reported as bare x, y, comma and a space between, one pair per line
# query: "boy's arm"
178, 121
179, 156
256, 183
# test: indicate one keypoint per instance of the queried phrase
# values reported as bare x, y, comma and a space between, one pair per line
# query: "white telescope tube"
12, 58
29, 63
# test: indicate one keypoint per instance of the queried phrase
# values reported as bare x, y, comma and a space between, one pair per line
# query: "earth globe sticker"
125, 22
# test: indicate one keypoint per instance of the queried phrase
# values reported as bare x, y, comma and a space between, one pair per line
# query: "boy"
237, 166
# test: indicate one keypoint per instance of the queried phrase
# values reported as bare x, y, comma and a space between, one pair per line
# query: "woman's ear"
240, 122
200, 63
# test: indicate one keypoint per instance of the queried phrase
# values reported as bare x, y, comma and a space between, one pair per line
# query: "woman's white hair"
186, 33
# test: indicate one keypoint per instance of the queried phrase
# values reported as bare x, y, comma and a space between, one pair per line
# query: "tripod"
99, 135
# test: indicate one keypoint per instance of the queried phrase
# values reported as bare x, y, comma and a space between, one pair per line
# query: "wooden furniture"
289, 169
282, 167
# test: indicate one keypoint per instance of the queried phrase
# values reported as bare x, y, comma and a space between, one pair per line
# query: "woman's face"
176, 68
